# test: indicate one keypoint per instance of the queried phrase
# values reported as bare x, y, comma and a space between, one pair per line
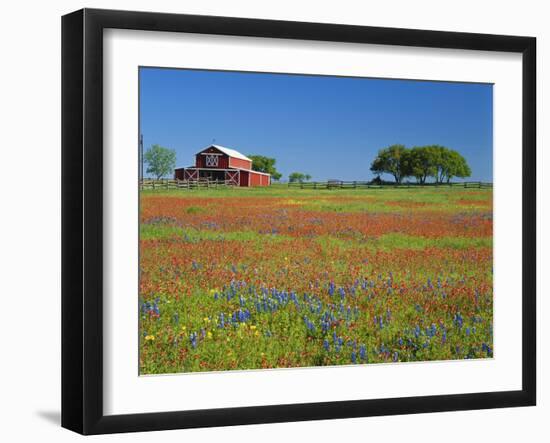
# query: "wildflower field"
252, 278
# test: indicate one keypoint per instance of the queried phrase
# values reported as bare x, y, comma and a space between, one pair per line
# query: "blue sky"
329, 127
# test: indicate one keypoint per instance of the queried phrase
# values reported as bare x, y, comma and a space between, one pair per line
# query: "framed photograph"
269, 221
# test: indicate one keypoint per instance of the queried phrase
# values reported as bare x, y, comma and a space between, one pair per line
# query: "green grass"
161, 231
282, 190
384, 200
389, 242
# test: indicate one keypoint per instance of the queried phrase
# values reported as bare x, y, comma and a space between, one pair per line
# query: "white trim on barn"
226, 169
234, 176
211, 160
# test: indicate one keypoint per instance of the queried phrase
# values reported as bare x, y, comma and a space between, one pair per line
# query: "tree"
448, 163
298, 177
421, 163
438, 154
392, 160
265, 164
160, 161
456, 166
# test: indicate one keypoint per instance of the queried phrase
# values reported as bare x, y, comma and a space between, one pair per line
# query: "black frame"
82, 215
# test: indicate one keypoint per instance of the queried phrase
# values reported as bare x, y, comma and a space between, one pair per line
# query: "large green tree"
456, 166
448, 163
421, 163
393, 160
160, 161
261, 163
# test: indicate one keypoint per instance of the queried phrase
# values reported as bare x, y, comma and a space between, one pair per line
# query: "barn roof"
228, 151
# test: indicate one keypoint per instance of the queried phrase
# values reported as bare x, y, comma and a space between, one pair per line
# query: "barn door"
232, 177
192, 174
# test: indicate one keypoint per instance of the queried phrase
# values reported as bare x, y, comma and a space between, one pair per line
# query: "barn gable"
230, 152
211, 157
216, 156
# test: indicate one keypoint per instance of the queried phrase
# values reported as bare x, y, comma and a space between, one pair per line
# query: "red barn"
219, 163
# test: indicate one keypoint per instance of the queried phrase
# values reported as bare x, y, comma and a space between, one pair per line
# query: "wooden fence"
338, 184
183, 184
331, 184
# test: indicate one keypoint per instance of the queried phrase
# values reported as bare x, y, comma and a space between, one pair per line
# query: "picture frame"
82, 221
